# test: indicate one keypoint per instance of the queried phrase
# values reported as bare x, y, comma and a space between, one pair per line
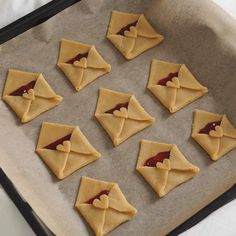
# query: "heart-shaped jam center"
102, 202
78, 57
90, 201
118, 107
23, 89
131, 33
174, 83
53, 146
64, 147
170, 76
165, 165
126, 28
29, 95
208, 127
82, 63
217, 133
159, 157
122, 113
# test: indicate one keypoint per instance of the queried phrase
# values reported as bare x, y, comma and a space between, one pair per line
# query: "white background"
220, 223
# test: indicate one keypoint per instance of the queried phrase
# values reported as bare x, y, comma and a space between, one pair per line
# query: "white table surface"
220, 223
12, 222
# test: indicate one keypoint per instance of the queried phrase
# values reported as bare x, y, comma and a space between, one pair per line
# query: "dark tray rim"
34, 18
25, 23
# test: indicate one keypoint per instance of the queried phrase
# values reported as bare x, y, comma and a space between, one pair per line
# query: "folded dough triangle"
81, 63
19, 85
50, 148
161, 177
161, 78
132, 34
216, 146
103, 221
120, 128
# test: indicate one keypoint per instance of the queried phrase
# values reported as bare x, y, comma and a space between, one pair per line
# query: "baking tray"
36, 17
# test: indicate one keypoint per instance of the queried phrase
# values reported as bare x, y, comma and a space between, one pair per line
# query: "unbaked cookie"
174, 85
64, 148
103, 205
81, 63
29, 94
163, 166
121, 115
214, 133
132, 34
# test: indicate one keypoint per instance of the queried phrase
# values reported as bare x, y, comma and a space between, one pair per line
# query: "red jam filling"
77, 57
118, 107
210, 126
53, 146
23, 89
168, 78
90, 201
126, 28
159, 157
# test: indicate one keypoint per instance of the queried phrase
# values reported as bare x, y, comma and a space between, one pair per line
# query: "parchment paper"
197, 33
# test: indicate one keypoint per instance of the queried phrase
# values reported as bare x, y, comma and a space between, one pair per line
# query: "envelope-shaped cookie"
163, 166
132, 34
29, 94
81, 63
121, 115
214, 133
174, 85
103, 205
64, 149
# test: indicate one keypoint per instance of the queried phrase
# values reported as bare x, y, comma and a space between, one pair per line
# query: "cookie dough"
174, 85
132, 34
64, 148
121, 115
214, 133
29, 94
81, 63
103, 205
163, 166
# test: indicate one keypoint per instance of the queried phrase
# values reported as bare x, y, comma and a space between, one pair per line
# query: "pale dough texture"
168, 174
220, 140
84, 70
180, 91
69, 155
124, 122
32, 102
106, 212
137, 39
